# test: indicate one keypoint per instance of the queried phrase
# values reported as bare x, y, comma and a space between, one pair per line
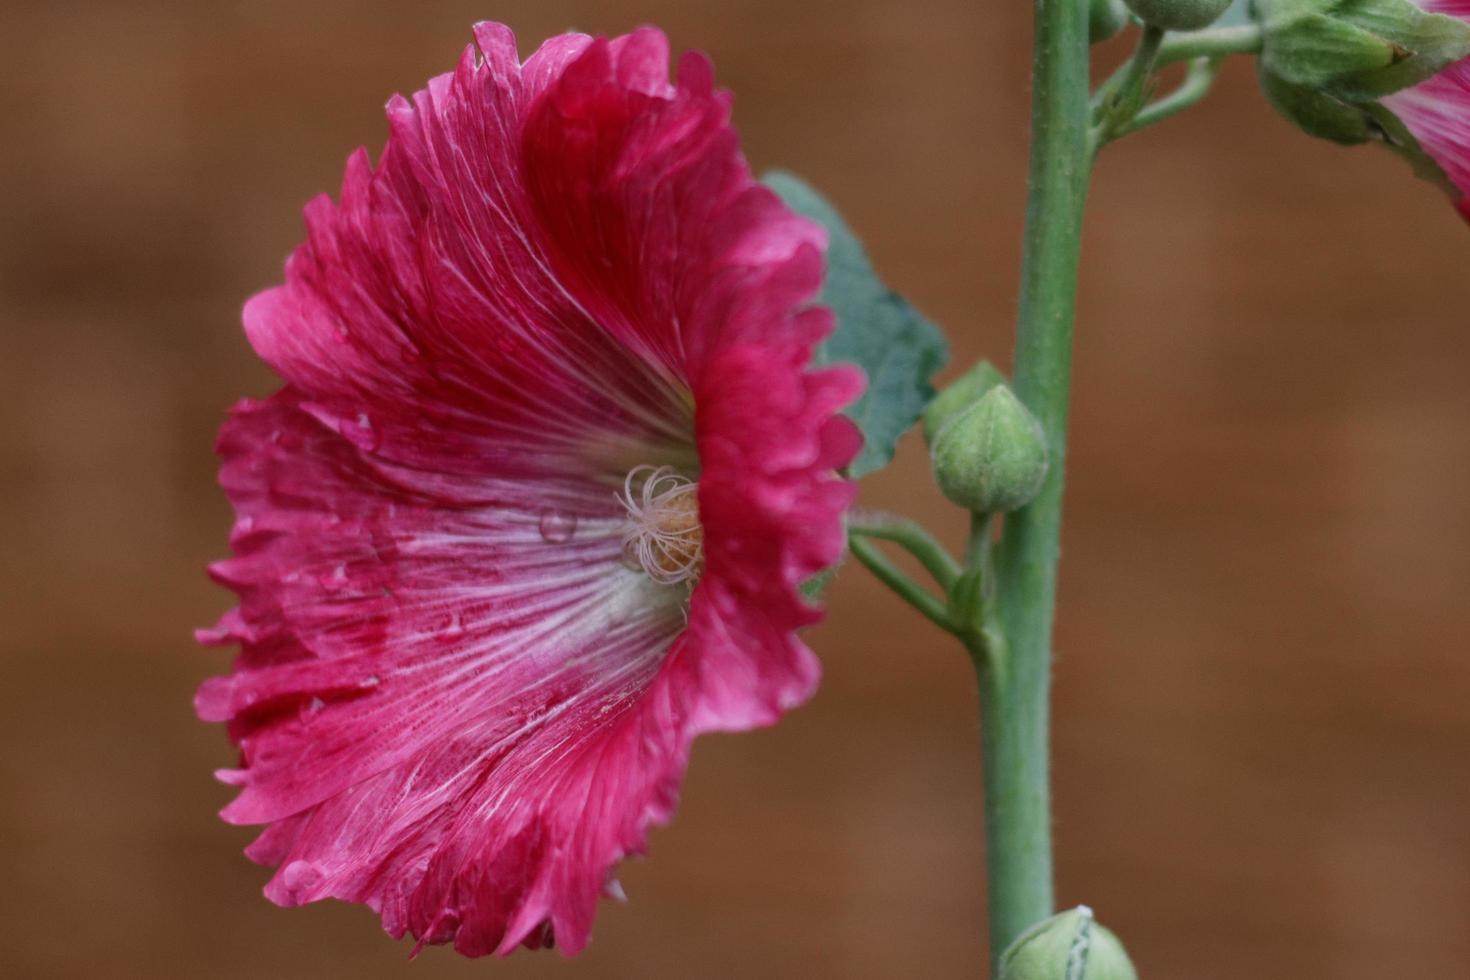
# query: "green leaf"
877, 330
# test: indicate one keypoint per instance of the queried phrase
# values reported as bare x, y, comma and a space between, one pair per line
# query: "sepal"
1068, 946
1325, 116
1357, 50
1315, 112
959, 395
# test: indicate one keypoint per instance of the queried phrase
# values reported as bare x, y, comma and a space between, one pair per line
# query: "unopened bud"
1357, 50
1104, 19
1069, 946
959, 395
992, 457
1315, 112
1178, 15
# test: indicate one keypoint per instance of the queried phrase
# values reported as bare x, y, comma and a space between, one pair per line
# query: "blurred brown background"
1263, 693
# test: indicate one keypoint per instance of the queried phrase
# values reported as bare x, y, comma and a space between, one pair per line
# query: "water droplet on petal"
310, 709
557, 526
335, 579
360, 432
299, 877
371, 680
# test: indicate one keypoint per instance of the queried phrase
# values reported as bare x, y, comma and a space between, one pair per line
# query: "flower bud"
1069, 946
1104, 19
1317, 113
991, 457
1301, 71
959, 395
1357, 50
1178, 15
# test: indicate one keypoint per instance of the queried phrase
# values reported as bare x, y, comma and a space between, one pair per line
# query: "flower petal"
454, 702
451, 673
1437, 113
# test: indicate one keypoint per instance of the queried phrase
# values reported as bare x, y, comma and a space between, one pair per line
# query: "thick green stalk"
1014, 695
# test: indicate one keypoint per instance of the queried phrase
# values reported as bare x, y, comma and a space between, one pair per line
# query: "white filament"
663, 536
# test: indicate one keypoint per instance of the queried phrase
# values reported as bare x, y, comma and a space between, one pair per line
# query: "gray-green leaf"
877, 330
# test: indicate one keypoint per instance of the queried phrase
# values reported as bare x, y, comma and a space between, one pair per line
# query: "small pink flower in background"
1437, 111
532, 507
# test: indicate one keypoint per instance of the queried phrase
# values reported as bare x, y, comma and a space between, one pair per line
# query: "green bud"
992, 456
1325, 116
1316, 113
1069, 946
959, 395
1178, 15
1104, 19
1357, 50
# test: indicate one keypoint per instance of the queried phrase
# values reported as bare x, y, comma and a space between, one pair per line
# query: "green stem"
1216, 42
1196, 85
1121, 96
1141, 65
914, 539
907, 589
1014, 701
977, 545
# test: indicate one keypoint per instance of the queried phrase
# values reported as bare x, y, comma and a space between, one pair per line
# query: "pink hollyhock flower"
531, 509
1437, 111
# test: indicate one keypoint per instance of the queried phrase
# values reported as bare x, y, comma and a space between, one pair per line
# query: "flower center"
663, 536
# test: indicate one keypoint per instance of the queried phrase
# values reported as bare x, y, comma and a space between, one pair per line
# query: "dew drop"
371, 680
556, 526
300, 876
335, 579
360, 432
311, 709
